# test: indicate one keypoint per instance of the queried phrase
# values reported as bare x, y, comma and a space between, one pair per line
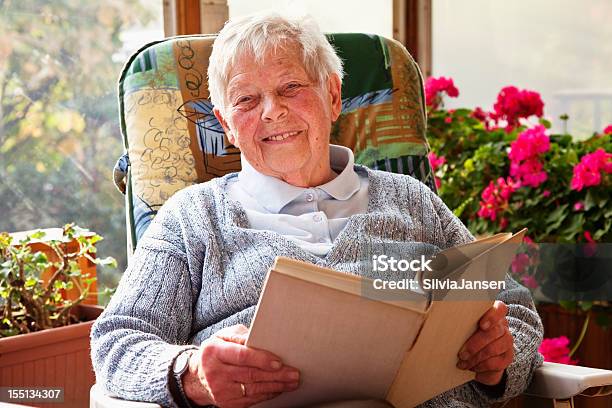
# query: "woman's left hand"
491, 349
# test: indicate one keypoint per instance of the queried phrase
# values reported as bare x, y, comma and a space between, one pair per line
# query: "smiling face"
280, 118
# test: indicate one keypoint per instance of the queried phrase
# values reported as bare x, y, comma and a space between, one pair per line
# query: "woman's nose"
274, 109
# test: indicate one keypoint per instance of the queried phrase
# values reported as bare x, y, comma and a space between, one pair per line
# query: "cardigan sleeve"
523, 320
148, 320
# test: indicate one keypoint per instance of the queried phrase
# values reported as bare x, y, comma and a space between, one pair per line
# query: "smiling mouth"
280, 137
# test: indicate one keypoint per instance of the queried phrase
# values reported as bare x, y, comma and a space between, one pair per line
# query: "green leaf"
556, 213
39, 257
459, 210
585, 305
546, 123
568, 304
604, 320
31, 282
108, 261
38, 234
555, 218
95, 239
589, 200
576, 225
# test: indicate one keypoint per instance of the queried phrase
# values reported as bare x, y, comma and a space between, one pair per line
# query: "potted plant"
502, 169
44, 331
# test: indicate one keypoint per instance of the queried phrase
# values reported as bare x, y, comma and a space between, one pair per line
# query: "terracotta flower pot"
57, 357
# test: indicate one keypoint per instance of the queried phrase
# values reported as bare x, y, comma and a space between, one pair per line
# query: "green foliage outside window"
59, 132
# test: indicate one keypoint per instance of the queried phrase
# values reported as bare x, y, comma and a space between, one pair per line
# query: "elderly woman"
175, 331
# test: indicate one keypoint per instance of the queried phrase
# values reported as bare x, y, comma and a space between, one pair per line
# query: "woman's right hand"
226, 373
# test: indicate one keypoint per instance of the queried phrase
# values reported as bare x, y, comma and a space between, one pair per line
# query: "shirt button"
309, 197
317, 218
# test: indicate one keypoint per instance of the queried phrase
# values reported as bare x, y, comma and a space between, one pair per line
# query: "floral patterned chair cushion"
173, 140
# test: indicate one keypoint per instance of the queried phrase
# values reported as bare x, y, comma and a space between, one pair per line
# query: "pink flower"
495, 199
587, 173
546, 193
485, 117
513, 104
436, 162
480, 114
608, 130
556, 350
590, 248
578, 206
530, 143
520, 263
525, 154
434, 87
529, 281
503, 223
448, 119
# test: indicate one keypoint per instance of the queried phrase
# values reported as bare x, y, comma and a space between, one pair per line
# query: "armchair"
173, 140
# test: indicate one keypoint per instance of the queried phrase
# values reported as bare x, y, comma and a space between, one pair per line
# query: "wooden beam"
399, 21
213, 15
181, 17
412, 27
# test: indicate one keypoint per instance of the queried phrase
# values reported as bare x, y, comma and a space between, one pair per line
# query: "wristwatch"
180, 367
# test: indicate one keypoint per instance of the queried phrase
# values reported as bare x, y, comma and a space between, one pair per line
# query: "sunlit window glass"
560, 48
59, 127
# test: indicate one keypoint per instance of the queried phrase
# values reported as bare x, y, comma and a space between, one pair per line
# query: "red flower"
495, 199
608, 130
434, 87
578, 206
590, 248
480, 114
513, 104
556, 350
520, 263
588, 172
436, 162
529, 281
524, 156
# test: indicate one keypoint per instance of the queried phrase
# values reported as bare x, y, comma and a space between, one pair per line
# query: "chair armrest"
560, 381
98, 399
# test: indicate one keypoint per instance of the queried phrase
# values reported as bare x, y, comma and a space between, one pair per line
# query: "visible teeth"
282, 137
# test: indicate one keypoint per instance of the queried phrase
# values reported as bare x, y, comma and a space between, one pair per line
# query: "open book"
349, 345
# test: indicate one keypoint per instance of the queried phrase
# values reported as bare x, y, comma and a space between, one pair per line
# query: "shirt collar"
273, 193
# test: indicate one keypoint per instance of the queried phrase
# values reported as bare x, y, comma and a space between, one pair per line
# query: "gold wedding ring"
243, 389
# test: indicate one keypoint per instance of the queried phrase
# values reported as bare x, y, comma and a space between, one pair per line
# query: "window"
59, 127
339, 16
561, 49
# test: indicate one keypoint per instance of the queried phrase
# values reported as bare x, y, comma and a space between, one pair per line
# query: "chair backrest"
173, 140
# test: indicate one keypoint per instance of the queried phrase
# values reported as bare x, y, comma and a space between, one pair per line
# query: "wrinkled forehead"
287, 54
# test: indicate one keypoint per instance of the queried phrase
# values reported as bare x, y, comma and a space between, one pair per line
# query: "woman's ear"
225, 126
334, 87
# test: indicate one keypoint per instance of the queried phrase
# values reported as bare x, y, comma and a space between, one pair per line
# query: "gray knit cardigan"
199, 268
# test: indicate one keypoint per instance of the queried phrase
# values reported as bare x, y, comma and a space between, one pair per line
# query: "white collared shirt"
311, 217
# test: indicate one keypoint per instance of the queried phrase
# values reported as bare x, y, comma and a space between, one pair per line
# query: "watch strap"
175, 384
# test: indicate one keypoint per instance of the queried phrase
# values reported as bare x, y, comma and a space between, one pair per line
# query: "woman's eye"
244, 99
292, 86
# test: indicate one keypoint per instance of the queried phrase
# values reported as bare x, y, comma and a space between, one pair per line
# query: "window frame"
411, 23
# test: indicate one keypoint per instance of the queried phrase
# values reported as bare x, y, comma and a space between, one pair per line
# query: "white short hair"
258, 33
